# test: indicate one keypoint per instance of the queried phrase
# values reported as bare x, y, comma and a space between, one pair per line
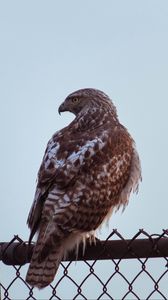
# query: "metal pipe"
19, 253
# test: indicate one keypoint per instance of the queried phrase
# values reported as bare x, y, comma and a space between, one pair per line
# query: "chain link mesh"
105, 277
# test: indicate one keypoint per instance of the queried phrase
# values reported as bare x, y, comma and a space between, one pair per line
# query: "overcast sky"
51, 48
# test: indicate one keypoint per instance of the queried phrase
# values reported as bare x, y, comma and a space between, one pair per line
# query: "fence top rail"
17, 252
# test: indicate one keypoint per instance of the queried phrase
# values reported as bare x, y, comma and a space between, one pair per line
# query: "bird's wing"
62, 161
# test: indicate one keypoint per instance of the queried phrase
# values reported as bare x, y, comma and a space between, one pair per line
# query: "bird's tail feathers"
48, 254
41, 272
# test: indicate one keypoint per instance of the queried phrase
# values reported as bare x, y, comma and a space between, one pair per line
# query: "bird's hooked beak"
62, 108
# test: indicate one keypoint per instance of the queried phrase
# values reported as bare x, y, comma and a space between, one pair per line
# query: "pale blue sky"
51, 48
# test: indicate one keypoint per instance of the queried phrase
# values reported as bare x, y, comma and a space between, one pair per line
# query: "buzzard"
88, 170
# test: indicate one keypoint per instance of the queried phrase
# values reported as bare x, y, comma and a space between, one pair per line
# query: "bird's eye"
75, 100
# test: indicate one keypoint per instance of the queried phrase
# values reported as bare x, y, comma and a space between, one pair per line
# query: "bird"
88, 171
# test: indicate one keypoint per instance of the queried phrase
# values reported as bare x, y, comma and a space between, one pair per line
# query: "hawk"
88, 170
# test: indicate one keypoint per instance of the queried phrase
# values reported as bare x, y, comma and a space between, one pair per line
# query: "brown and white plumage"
89, 169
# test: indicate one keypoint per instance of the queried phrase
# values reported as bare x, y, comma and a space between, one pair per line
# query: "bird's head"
81, 99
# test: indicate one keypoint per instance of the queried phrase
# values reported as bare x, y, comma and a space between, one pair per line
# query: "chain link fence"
116, 268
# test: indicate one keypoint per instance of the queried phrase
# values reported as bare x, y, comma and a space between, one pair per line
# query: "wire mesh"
113, 269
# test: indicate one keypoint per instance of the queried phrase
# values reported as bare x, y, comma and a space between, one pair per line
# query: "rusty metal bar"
17, 253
